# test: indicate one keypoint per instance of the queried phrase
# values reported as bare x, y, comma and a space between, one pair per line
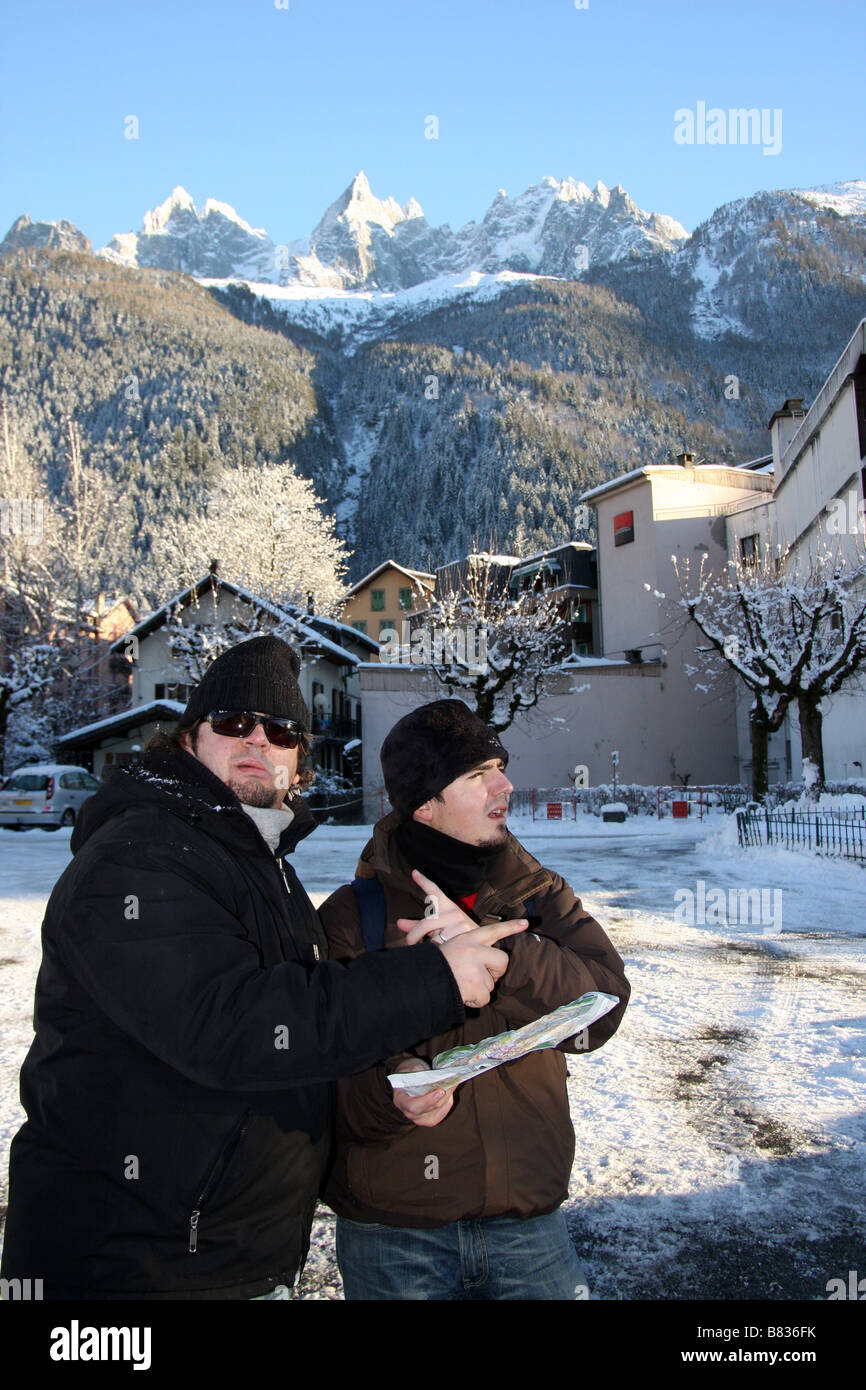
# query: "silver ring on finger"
442, 938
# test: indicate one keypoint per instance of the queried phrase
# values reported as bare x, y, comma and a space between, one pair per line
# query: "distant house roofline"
387, 564
289, 613
89, 735
677, 470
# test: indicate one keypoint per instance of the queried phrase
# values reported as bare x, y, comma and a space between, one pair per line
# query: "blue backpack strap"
371, 904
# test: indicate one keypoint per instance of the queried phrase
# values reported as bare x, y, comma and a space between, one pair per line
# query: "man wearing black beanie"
188, 1023
457, 1195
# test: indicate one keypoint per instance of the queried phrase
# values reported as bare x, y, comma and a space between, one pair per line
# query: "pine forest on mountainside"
480, 422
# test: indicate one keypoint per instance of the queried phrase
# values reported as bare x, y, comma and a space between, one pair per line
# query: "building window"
623, 528
360, 625
174, 691
579, 613
405, 596
377, 600
385, 624
750, 550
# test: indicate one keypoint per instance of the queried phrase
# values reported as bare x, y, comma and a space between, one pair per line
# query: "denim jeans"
498, 1258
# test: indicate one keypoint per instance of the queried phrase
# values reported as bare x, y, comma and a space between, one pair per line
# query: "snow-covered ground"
720, 1134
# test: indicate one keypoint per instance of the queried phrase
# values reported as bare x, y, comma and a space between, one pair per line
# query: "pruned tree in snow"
482, 641
793, 631
265, 529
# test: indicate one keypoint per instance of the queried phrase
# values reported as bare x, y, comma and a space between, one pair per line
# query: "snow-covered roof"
303, 626
678, 470
124, 719
764, 464
351, 633
388, 564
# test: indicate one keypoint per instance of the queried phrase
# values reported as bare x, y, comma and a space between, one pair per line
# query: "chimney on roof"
783, 426
686, 460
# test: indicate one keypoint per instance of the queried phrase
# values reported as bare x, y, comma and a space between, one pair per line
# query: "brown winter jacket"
507, 1146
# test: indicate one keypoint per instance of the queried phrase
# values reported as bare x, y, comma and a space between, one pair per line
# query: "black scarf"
457, 868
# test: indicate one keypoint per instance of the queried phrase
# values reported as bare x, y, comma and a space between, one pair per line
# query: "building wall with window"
820, 477
593, 710
643, 520
328, 677
818, 505
385, 597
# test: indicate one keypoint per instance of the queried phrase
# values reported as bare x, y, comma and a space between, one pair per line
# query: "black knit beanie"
430, 747
260, 674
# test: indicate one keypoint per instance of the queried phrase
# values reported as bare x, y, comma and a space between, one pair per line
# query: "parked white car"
45, 794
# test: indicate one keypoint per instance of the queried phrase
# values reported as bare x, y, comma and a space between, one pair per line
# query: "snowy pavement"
721, 1132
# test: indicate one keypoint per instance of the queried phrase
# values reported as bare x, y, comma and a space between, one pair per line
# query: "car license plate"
22, 803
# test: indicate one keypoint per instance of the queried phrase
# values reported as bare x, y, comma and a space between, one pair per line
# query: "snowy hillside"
364, 315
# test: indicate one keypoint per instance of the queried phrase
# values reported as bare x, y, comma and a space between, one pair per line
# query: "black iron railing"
841, 833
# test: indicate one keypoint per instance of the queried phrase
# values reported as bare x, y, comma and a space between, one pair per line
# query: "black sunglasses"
239, 723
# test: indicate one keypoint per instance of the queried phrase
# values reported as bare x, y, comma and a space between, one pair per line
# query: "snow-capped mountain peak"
215, 241
157, 221
555, 227
358, 206
24, 234
214, 208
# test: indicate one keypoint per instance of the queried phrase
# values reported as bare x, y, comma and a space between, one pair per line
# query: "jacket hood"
183, 785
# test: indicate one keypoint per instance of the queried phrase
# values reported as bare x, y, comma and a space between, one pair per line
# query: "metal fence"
841, 833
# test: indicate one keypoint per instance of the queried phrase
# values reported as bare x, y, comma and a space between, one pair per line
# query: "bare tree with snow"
794, 632
496, 647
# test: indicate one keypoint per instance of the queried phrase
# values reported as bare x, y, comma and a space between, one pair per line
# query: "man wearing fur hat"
458, 1195
187, 1021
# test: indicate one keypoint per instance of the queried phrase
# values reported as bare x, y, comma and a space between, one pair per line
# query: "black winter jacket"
187, 1027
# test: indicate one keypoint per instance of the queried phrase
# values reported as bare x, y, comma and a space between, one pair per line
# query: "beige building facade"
818, 507
384, 597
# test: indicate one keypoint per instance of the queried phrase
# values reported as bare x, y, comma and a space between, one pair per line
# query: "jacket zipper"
223, 1158
282, 870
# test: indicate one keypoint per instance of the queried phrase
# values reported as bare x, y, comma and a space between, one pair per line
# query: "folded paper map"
461, 1064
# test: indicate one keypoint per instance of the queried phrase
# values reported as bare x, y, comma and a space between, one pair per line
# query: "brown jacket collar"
516, 876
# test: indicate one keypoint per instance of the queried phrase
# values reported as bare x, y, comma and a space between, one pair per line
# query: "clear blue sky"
274, 110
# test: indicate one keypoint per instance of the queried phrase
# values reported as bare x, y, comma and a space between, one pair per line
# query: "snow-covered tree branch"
496, 647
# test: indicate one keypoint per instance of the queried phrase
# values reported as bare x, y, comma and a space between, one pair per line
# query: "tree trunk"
812, 745
4, 724
759, 733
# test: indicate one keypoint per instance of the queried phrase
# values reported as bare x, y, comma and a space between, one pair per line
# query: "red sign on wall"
623, 528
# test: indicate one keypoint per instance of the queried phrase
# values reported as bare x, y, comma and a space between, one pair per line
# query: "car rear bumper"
8, 818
